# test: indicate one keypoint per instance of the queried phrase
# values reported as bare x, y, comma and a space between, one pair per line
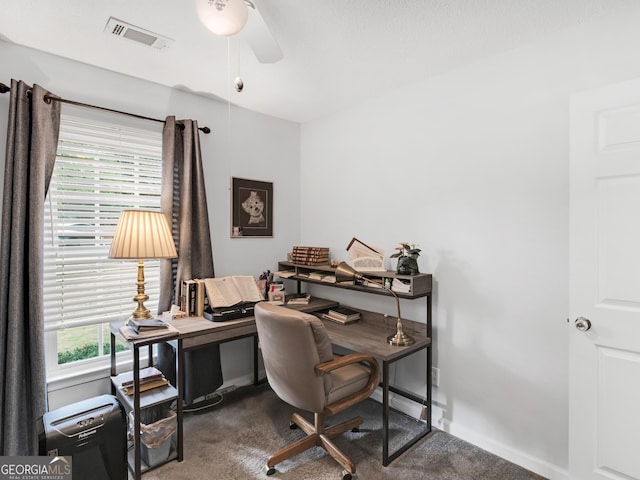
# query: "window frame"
89, 367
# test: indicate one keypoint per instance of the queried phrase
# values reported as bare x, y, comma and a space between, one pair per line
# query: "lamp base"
141, 312
400, 339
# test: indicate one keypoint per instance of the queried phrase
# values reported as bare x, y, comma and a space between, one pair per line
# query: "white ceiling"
336, 52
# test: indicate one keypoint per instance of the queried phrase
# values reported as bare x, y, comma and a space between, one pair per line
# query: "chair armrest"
343, 361
374, 375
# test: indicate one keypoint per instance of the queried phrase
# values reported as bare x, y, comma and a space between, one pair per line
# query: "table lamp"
345, 273
142, 234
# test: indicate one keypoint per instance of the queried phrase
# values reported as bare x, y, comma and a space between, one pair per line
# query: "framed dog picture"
251, 208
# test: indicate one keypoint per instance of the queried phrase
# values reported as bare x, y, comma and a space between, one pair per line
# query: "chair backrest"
292, 344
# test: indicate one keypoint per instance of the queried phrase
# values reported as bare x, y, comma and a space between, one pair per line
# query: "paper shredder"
93, 433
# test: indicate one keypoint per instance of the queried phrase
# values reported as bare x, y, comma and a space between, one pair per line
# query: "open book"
228, 291
365, 258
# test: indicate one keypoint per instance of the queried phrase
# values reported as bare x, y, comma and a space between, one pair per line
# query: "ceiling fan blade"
259, 37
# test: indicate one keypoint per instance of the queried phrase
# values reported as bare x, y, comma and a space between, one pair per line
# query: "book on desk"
231, 297
147, 325
131, 333
343, 315
298, 299
223, 314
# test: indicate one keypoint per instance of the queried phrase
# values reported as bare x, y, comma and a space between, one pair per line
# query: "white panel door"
604, 390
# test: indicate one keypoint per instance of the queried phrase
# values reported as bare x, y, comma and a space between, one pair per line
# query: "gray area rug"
234, 440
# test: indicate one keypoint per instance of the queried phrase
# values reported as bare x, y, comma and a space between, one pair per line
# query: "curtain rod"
47, 98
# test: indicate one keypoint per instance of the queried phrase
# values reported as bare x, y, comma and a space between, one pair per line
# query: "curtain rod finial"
4, 88
205, 129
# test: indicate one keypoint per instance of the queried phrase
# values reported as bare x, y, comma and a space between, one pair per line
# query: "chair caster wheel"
346, 476
270, 470
293, 426
355, 429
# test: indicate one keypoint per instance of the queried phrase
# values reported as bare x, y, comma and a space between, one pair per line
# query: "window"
100, 170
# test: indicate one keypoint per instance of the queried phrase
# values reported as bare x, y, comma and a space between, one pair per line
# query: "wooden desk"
367, 336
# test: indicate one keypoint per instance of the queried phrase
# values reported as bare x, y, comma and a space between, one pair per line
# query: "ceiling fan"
228, 17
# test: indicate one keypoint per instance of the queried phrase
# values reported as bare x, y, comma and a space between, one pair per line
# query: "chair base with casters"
302, 371
317, 436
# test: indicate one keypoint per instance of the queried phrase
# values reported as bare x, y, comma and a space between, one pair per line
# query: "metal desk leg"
136, 414
385, 413
255, 360
386, 457
112, 355
180, 383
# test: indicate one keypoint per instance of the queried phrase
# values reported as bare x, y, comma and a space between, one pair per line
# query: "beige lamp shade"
142, 234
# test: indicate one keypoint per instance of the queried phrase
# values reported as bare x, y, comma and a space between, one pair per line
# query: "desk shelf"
150, 398
163, 395
419, 285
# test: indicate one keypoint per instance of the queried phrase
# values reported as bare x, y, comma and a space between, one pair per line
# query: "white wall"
473, 166
243, 144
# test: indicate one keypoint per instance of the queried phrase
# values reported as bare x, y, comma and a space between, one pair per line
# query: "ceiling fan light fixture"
222, 17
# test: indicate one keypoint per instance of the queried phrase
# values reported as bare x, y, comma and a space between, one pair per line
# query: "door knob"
583, 324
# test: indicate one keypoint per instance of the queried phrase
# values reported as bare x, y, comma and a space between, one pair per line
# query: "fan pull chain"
228, 87
239, 84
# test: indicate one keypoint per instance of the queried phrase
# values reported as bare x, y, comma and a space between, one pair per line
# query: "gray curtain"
184, 201
32, 139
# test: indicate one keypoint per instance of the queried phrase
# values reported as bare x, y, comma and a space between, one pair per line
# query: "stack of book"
192, 297
140, 329
144, 326
342, 315
298, 299
318, 275
150, 378
310, 255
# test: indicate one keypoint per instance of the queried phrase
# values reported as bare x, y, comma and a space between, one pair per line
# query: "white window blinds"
100, 170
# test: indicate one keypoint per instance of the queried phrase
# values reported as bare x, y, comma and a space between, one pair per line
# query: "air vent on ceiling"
126, 30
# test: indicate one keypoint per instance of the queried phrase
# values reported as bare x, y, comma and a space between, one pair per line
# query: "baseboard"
400, 403
534, 464
241, 381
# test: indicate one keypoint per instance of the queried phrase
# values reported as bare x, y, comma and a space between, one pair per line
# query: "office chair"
302, 371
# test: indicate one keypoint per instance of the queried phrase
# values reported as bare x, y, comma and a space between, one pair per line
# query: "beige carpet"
234, 439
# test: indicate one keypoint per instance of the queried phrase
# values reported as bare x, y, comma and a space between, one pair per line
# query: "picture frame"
251, 208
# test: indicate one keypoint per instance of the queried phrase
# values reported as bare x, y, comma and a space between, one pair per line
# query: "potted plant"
407, 255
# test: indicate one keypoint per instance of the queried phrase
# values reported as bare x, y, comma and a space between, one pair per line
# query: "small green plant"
407, 250
89, 350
